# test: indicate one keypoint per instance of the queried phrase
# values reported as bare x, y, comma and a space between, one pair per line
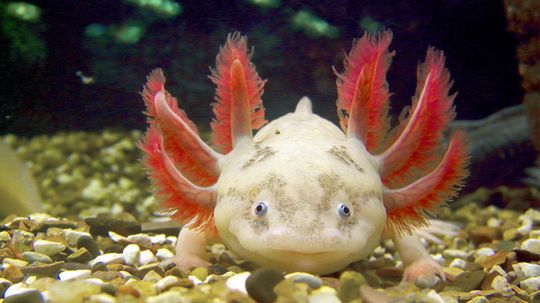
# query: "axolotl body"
303, 194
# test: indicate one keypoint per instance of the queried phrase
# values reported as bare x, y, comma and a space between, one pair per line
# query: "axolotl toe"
304, 194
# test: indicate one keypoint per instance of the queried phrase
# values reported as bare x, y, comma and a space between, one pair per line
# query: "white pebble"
131, 254
164, 254
194, 280
39, 217
324, 294
80, 274
117, 237
532, 214
158, 239
458, 263
166, 282
526, 226
102, 298
484, 252
530, 284
16, 289
72, 236
146, 257
494, 222
526, 270
532, 245
107, 258
172, 240
434, 297
48, 248
141, 239
238, 282
500, 283
499, 270
438, 258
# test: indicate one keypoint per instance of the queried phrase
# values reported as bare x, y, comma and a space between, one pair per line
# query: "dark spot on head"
341, 153
261, 154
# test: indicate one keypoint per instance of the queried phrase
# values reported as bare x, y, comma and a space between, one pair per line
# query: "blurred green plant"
313, 26
165, 8
266, 3
370, 25
23, 11
21, 29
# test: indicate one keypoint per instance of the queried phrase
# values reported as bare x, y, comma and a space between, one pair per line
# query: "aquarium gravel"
92, 245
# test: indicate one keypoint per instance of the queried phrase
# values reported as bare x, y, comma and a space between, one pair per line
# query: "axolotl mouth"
323, 261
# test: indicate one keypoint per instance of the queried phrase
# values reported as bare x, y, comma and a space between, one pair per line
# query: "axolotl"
303, 194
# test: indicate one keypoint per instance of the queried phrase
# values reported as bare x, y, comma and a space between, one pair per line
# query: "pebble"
117, 237
166, 283
458, 263
81, 256
350, 283
525, 227
88, 242
532, 245
131, 254
49, 248
107, 259
434, 297
15, 262
468, 281
530, 284
158, 239
500, 283
164, 254
13, 273
526, 270
17, 288
260, 284
324, 295
32, 257
43, 269
238, 282
478, 299
102, 298
141, 239
5, 236
484, 252
75, 274
147, 257
455, 253
72, 236
302, 277
29, 296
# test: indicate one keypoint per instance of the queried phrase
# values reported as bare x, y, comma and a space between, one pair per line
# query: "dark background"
41, 93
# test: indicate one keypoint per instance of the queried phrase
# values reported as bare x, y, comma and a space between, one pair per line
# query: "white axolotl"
303, 194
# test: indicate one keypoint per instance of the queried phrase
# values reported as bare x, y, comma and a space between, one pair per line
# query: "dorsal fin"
304, 107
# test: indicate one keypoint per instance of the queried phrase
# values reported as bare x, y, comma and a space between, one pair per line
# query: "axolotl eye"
344, 211
261, 208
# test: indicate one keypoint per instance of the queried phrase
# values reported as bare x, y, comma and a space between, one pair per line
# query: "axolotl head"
300, 197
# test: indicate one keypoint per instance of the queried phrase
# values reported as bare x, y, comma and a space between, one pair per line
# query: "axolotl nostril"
304, 194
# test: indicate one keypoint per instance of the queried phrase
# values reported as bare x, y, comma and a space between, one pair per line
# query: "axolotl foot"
421, 269
424, 273
191, 250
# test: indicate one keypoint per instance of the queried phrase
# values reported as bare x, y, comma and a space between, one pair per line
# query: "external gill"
183, 168
412, 147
